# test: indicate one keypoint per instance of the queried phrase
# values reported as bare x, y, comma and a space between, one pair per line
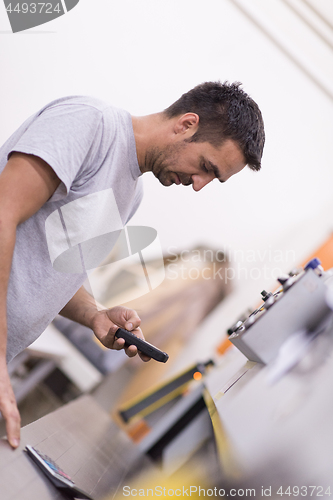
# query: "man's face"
196, 163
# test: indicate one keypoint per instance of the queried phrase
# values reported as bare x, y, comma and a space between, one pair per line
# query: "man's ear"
187, 124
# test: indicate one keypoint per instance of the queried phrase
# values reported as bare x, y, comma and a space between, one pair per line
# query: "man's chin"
165, 181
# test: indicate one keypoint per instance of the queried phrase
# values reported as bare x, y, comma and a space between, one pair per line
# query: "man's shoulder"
83, 109
83, 101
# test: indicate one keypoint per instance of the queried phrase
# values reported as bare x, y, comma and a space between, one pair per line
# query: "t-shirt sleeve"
62, 136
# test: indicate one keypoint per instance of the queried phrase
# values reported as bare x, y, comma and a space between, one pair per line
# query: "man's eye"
204, 168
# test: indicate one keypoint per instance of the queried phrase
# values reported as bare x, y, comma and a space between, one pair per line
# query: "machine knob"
283, 279
235, 327
265, 295
312, 264
315, 264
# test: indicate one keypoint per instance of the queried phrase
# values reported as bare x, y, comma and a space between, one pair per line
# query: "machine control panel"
298, 304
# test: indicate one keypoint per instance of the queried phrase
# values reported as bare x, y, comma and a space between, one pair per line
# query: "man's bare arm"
83, 309
26, 183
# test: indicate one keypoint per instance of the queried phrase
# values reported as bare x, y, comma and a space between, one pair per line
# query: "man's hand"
9, 409
82, 308
106, 323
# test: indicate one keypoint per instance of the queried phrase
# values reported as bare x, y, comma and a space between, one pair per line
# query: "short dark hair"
225, 112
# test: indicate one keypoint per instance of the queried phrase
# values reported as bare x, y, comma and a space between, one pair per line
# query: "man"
60, 170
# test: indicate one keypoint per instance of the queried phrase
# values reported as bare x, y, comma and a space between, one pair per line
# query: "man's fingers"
13, 422
131, 351
128, 319
118, 344
129, 326
125, 317
133, 321
144, 357
9, 410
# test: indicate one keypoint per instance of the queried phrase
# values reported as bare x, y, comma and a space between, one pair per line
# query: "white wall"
142, 56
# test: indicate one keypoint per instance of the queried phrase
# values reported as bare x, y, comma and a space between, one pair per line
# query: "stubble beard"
161, 162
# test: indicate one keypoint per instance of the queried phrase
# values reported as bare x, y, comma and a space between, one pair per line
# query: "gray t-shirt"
91, 147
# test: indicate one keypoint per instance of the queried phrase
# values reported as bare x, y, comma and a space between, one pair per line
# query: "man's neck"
149, 131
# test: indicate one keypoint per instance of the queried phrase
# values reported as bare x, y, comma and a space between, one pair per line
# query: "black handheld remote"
58, 477
143, 346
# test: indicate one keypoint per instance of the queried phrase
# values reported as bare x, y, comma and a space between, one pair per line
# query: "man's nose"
200, 181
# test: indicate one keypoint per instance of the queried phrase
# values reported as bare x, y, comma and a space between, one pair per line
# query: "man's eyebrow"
215, 170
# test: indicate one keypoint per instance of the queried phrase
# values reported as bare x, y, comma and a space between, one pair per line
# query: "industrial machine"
300, 306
